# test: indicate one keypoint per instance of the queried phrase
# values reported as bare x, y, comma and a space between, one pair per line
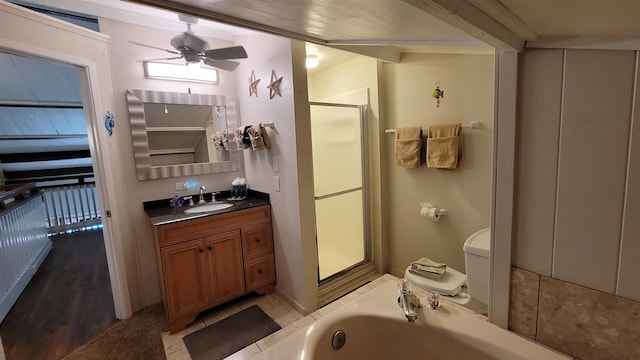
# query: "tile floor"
275, 306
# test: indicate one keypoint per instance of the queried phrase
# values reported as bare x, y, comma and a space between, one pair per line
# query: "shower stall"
338, 134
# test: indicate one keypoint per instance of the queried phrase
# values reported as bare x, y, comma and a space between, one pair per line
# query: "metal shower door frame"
365, 187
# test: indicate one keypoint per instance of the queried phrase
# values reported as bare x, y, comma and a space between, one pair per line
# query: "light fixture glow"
181, 72
312, 61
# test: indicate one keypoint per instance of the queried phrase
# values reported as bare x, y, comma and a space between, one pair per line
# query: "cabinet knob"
210, 248
200, 250
258, 240
259, 271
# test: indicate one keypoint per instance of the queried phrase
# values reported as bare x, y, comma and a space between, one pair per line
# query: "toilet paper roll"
431, 213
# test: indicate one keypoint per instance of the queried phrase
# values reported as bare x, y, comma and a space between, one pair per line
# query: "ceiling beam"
383, 53
587, 42
473, 21
44, 156
226, 19
47, 174
503, 15
41, 104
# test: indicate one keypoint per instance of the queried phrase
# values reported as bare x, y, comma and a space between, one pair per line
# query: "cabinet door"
257, 240
185, 279
259, 271
224, 259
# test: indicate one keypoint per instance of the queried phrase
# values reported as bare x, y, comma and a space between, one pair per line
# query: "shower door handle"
327, 196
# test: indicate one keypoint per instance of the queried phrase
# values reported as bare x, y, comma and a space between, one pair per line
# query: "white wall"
126, 62
467, 81
576, 208
294, 242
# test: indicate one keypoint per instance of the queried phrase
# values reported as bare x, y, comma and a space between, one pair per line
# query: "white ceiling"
391, 24
578, 17
398, 22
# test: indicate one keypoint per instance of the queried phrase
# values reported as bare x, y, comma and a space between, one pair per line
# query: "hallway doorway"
66, 304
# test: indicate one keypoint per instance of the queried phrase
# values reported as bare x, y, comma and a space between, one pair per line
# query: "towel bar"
472, 125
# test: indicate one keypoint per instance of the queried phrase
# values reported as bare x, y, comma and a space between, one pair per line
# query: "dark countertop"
160, 213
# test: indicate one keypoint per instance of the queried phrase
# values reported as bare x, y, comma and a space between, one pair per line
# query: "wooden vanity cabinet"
224, 261
257, 251
185, 279
210, 260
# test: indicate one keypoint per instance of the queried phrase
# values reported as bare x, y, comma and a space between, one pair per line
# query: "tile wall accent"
523, 307
578, 321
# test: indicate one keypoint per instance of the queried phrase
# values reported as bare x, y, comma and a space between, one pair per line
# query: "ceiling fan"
193, 49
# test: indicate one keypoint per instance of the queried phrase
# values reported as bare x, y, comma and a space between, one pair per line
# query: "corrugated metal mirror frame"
136, 100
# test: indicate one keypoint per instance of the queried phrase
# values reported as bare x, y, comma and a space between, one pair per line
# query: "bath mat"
229, 335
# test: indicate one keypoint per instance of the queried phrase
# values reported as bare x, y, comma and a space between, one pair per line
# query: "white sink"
207, 208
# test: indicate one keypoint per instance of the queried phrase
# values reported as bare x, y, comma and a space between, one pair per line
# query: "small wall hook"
109, 122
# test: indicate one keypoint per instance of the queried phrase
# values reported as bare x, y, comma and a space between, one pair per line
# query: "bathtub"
375, 328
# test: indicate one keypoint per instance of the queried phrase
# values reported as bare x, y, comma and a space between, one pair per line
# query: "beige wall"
400, 95
467, 81
576, 207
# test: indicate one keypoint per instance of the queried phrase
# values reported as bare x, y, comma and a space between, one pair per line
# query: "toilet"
471, 290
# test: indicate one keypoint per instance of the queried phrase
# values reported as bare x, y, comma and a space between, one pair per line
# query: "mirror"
176, 134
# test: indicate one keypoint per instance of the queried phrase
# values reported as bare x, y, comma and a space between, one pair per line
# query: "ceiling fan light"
312, 61
180, 72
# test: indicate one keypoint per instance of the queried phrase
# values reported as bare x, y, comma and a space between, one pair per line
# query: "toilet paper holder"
431, 212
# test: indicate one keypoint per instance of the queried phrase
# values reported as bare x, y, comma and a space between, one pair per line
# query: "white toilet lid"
450, 283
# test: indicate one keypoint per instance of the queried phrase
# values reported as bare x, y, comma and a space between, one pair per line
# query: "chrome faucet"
202, 190
408, 302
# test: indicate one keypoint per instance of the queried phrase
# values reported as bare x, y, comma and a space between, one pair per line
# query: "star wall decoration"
274, 86
253, 84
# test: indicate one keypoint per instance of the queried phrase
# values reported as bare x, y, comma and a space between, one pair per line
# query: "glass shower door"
339, 167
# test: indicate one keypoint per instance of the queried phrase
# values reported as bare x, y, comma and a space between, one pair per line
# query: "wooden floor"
67, 302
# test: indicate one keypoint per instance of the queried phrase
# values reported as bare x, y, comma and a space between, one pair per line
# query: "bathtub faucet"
408, 302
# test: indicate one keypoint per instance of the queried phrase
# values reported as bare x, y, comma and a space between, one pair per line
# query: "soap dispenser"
177, 201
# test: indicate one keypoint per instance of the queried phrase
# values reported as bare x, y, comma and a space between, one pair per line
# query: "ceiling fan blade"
187, 40
234, 52
222, 64
169, 58
154, 47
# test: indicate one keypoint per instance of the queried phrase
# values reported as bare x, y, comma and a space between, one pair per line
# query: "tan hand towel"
426, 274
408, 143
425, 261
259, 138
428, 268
237, 137
444, 146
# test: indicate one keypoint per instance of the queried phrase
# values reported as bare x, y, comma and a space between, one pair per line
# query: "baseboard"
292, 302
397, 272
12, 295
336, 288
